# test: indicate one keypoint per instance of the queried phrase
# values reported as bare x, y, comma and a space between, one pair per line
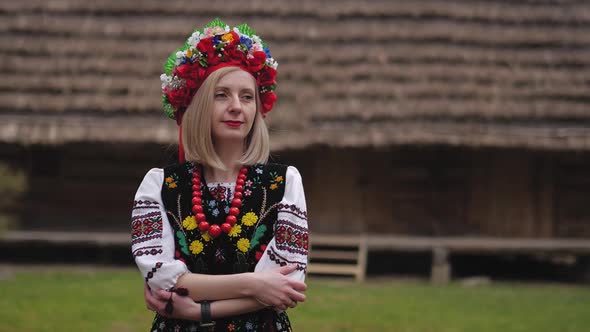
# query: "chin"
236, 136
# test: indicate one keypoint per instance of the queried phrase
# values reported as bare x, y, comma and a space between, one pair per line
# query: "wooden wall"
85, 187
441, 191
571, 204
427, 191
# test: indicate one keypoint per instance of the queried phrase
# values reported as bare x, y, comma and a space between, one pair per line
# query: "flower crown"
206, 51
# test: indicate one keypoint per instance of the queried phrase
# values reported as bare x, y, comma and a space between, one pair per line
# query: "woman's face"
234, 107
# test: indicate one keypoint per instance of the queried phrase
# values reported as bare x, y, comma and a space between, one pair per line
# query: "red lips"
233, 124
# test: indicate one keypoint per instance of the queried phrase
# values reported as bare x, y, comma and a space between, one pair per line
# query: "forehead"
238, 79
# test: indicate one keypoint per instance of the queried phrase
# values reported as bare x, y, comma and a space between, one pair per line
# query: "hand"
274, 288
184, 306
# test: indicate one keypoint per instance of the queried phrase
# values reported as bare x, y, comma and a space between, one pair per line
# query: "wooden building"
425, 118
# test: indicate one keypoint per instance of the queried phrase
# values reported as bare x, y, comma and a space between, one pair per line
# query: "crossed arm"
231, 295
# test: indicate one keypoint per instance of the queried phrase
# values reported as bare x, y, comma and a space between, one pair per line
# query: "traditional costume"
182, 224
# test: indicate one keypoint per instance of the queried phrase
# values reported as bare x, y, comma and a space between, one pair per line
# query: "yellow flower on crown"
189, 223
249, 219
196, 247
243, 245
206, 236
235, 230
228, 37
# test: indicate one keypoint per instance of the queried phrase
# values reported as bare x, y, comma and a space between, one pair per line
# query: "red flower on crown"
216, 47
268, 101
266, 77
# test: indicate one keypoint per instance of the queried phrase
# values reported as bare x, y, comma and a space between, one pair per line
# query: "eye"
220, 94
248, 97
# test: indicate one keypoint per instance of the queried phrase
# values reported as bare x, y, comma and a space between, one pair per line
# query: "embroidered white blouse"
153, 240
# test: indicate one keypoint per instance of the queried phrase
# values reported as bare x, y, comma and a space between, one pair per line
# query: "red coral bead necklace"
234, 210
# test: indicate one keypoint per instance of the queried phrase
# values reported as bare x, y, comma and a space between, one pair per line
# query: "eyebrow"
221, 87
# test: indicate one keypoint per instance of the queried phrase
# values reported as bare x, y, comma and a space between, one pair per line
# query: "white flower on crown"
210, 32
236, 30
227, 29
256, 47
165, 80
272, 63
179, 56
194, 39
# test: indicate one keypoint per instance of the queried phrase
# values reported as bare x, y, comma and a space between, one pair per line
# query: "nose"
235, 104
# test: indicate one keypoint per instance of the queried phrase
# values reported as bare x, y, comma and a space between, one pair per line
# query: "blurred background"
440, 139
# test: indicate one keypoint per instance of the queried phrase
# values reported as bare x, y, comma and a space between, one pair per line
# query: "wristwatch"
206, 320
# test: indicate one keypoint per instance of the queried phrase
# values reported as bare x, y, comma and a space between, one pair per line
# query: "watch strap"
206, 320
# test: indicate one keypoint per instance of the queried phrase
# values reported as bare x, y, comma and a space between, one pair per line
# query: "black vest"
263, 191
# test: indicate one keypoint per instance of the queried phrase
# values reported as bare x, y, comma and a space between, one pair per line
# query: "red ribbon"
180, 147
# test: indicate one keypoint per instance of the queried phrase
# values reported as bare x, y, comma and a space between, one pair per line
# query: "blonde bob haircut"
196, 128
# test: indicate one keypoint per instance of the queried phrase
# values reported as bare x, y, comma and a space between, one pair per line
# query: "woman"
221, 238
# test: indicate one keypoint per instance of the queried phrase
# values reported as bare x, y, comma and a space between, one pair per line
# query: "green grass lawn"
112, 300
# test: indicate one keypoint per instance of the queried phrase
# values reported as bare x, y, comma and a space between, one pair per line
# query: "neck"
229, 154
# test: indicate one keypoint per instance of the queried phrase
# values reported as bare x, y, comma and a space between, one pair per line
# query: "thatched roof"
351, 73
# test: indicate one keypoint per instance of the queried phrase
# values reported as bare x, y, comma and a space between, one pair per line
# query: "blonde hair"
196, 128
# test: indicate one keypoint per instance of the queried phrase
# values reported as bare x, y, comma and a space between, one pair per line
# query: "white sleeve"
152, 238
290, 243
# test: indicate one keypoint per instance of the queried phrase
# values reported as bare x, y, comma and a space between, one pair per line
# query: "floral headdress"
205, 51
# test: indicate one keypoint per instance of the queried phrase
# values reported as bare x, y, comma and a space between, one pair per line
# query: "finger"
293, 304
298, 285
146, 291
287, 269
296, 296
286, 301
163, 294
150, 300
153, 304
151, 307
262, 302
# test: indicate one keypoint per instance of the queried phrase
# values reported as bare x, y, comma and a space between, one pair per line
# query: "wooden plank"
362, 259
340, 269
475, 244
97, 238
333, 243
334, 254
335, 240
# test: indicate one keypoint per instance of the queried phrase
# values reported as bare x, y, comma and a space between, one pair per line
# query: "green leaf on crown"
215, 23
171, 62
246, 30
168, 109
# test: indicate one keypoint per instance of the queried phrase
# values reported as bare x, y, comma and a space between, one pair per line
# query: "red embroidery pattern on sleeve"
282, 261
145, 226
291, 237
